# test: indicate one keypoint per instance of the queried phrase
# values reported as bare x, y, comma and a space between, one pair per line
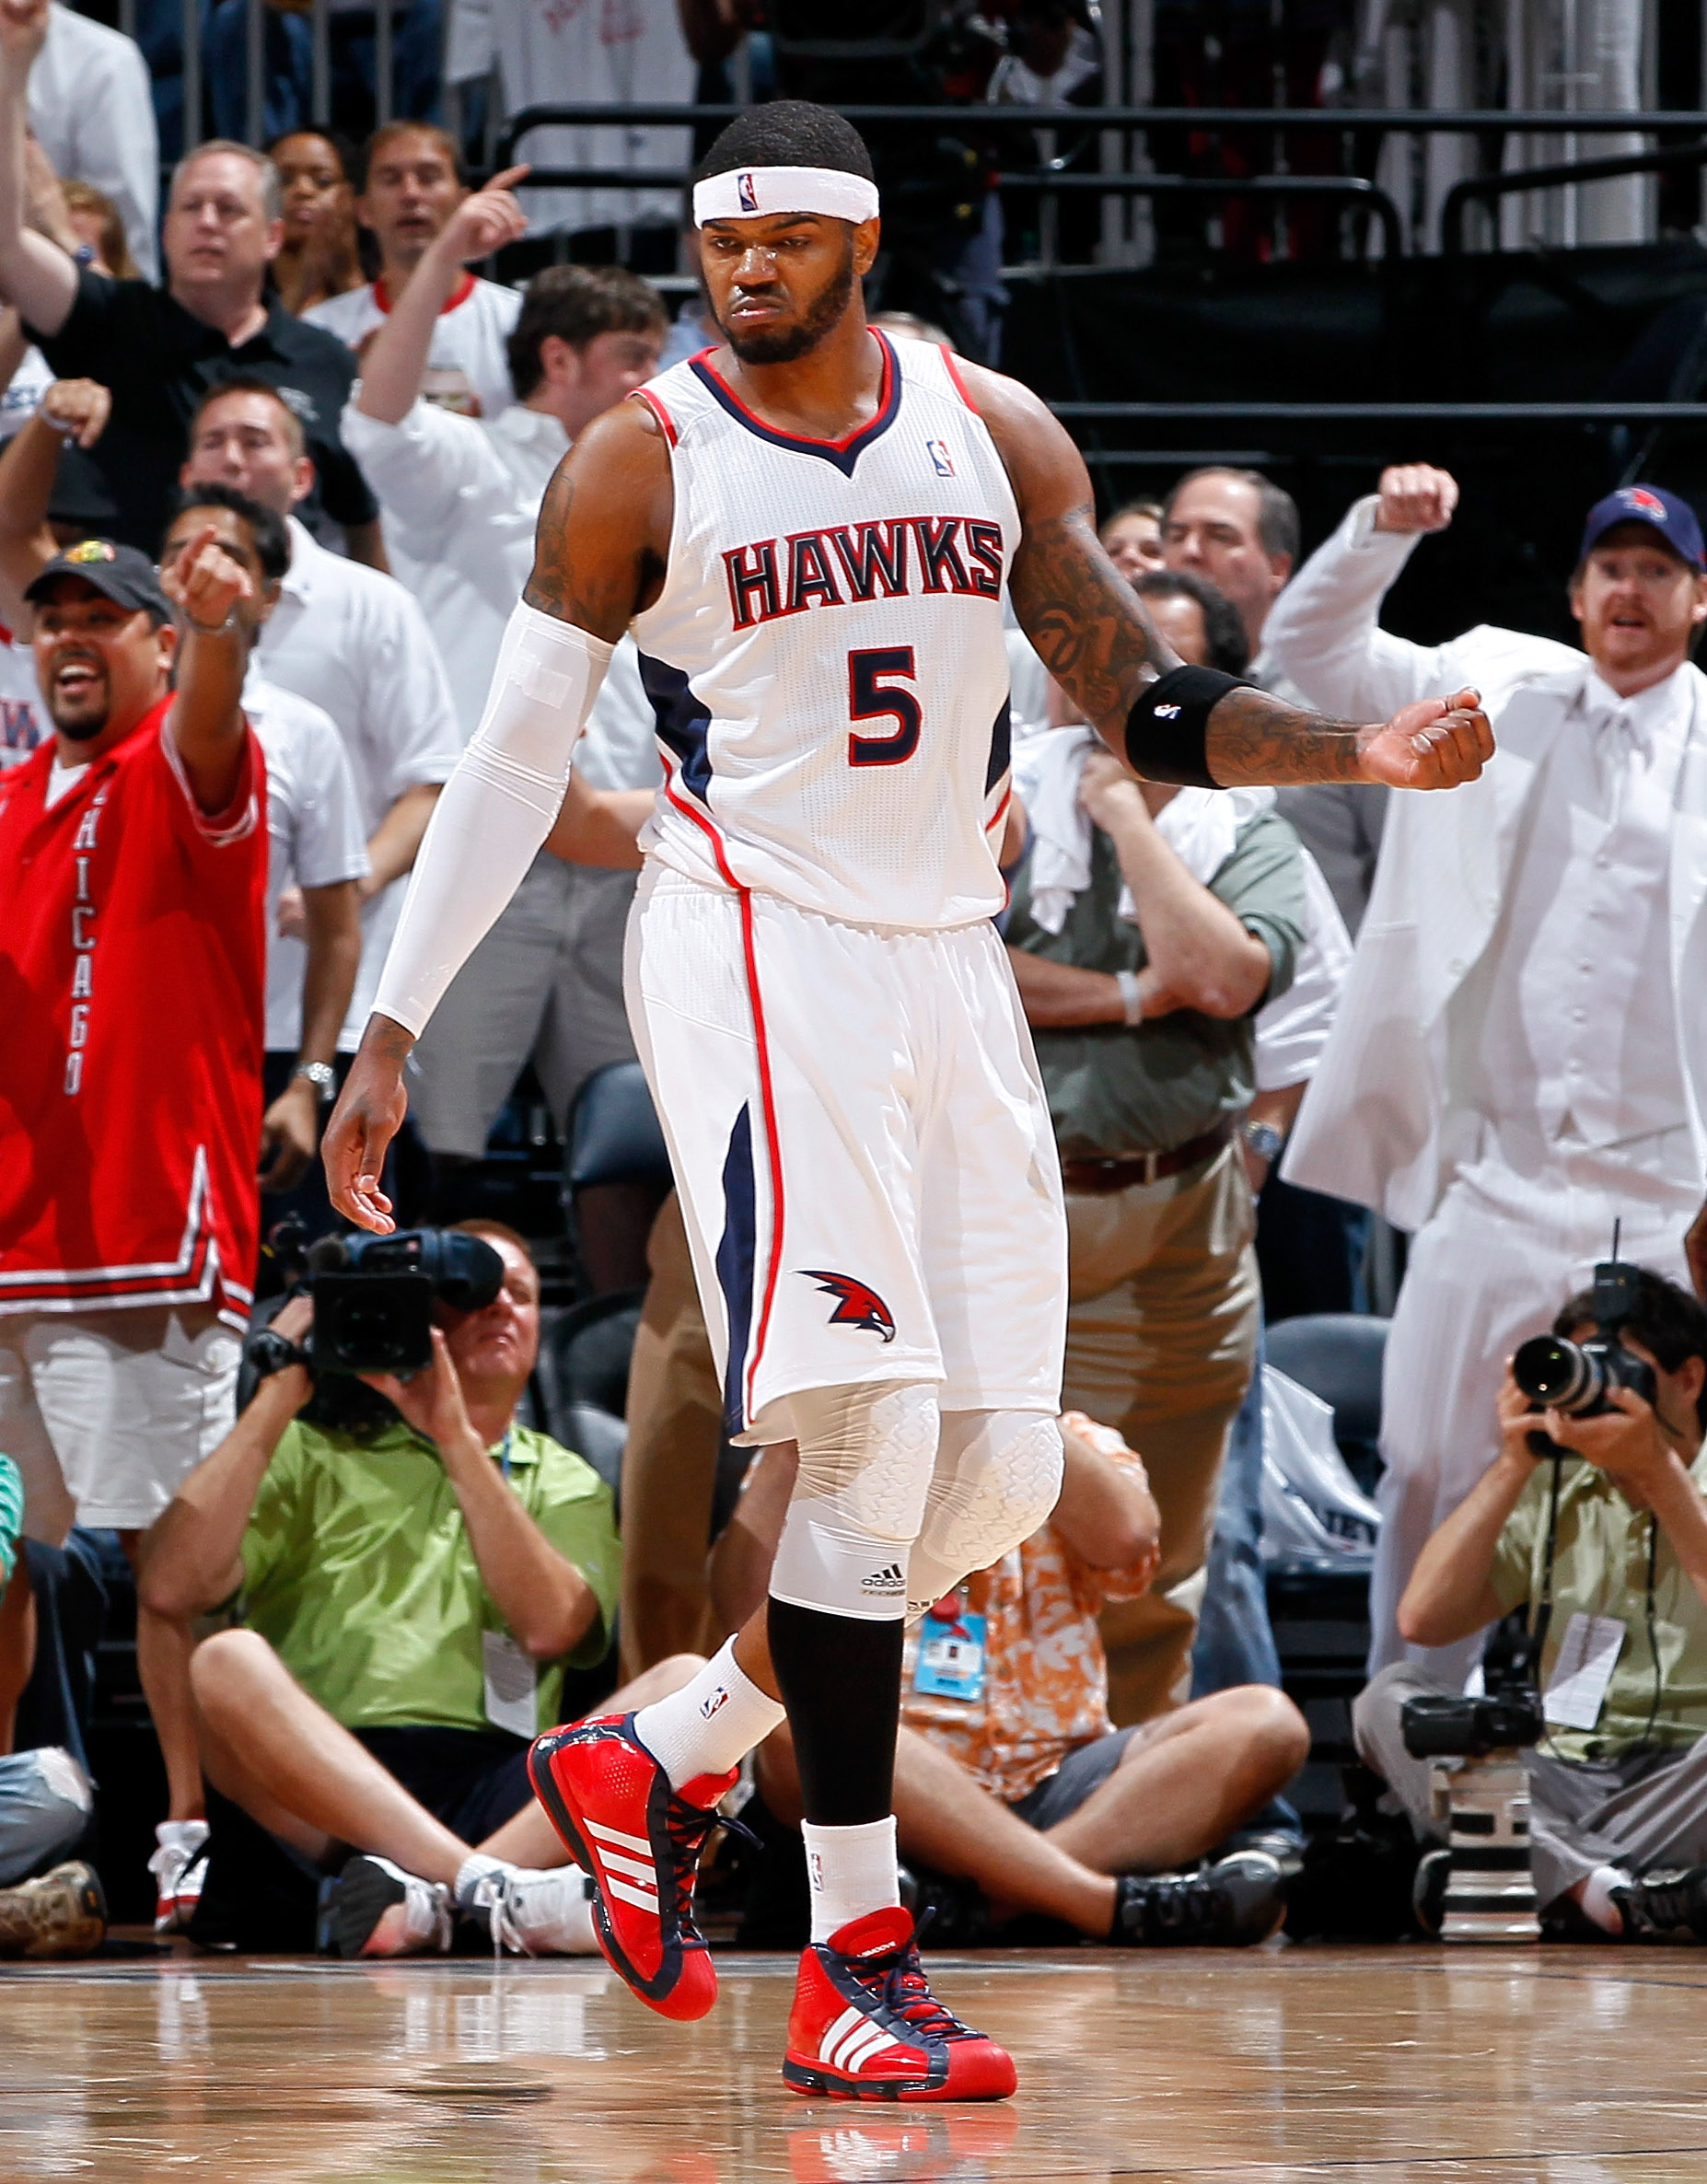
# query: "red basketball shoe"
641, 1840
867, 2027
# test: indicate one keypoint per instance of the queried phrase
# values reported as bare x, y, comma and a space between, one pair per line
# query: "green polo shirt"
1601, 1565
357, 1569
1117, 1089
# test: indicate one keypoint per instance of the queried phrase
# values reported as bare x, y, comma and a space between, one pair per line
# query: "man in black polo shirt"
161, 349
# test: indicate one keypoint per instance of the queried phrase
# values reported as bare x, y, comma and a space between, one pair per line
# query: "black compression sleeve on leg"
840, 1677
1168, 728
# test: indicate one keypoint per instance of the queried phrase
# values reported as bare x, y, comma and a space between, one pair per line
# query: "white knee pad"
866, 1454
997, 1477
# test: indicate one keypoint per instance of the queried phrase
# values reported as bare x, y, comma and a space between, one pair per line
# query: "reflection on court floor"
1285, 2066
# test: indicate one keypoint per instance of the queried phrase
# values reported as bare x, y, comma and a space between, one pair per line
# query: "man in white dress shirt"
1521, 1058
414, 183
460, 500
352, 641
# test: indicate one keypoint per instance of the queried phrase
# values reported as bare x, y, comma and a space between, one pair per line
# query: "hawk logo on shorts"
746, 195
858, 1306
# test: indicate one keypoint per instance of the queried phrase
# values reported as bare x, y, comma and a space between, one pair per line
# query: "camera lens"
1558, 1375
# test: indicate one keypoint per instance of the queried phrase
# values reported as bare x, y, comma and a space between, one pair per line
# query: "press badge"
510, 1681
951, 1658
1587, 1657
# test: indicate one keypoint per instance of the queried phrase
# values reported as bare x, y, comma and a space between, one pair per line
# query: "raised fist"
1414, 496
79, 408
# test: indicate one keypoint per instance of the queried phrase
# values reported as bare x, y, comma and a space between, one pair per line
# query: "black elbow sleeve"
1168, 728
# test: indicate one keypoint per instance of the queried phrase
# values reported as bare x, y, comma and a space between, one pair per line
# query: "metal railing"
1121, 133
1488, 189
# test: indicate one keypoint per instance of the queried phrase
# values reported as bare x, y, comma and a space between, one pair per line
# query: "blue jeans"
1235, 1644
45, 1808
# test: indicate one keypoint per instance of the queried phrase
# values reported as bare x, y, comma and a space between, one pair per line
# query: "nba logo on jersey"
746, 196
942, 463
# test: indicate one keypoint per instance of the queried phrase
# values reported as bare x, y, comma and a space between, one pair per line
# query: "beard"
84, 724
784, 344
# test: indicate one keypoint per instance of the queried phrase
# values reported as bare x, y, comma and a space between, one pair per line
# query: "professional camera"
374, 1294
1446, 1727
1449, 1728
1480, 1787
1576, 1378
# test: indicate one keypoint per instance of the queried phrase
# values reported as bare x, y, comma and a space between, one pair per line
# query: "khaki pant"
669, 1463
1162, 1322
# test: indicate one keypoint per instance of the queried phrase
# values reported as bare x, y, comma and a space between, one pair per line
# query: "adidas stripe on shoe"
641, 1840
867, 2027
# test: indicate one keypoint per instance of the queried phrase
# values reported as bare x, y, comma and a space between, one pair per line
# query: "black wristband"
1168, 728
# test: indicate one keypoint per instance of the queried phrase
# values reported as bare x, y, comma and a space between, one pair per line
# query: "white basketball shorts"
862, 1145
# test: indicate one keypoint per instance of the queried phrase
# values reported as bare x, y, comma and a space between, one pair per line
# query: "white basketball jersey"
826, 659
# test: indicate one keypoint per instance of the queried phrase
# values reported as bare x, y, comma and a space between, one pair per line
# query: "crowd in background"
289, 493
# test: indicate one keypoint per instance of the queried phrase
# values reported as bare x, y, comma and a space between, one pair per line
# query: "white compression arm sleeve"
495, 810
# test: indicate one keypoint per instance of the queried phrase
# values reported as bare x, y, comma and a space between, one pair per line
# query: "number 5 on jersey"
871, 697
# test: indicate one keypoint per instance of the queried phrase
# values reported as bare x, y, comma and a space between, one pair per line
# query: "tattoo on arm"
550, 588
1255, 739
1090, 631
1084, 619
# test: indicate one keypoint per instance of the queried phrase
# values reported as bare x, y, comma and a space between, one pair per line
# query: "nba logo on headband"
748, 196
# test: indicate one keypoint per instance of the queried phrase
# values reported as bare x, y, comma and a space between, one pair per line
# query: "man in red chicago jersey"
133, 875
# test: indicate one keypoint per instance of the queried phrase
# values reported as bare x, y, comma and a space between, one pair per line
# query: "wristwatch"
320, 1074
1263, 1139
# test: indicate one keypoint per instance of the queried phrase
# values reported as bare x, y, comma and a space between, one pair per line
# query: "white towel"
1200, 826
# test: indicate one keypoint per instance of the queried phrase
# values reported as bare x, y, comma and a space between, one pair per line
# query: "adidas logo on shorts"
886, 1580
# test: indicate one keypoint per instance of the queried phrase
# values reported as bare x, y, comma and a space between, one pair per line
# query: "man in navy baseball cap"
1664, 512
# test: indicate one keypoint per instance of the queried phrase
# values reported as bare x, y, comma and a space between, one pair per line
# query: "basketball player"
809, 531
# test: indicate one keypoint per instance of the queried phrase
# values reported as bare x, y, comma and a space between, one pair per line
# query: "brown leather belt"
1120, 1172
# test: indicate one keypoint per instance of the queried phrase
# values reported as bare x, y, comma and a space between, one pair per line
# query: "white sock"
181, 1835
851, 1871
1597, 1898
711, 1725
469, 1875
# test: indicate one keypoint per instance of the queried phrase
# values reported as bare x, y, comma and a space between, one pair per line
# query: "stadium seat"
1337, 1356
597, 1434
584, 1354
616, 1175
1319, 1611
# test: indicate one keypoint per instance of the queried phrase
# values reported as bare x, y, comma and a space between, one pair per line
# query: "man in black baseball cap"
103, 637
121, 573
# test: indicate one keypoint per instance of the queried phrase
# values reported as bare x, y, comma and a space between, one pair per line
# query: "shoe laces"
689, 1828
1184, 1903
896, 1981
492, 1895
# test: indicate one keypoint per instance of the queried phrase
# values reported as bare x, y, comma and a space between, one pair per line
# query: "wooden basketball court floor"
1354, 2066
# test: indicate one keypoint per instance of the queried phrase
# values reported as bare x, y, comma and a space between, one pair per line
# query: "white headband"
751, 192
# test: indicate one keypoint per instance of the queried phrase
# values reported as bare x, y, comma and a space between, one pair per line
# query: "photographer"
413, 1583
1618, 1808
